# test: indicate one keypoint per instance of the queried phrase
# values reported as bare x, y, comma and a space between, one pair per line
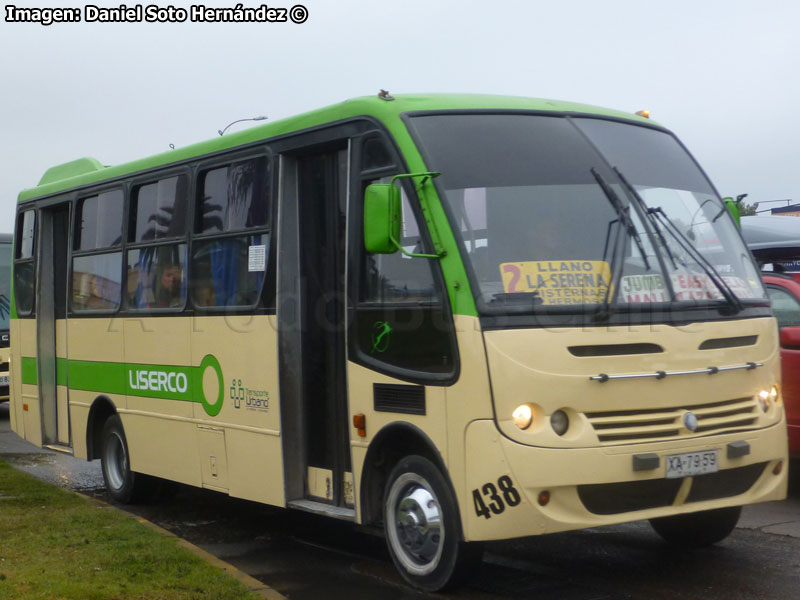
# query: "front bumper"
589, 487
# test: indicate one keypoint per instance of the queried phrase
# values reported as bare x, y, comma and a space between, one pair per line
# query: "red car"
784, 292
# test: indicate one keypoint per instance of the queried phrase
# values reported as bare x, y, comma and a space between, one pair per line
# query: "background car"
784, 292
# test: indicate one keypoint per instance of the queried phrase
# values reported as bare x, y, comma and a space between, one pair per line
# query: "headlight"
522, 416
767, 397
774, 393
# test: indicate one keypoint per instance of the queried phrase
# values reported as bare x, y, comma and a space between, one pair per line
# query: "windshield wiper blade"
653, 222
623, 214
625, 226
687, 245
657, 214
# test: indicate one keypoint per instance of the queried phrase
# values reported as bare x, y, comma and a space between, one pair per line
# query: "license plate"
692, 463
3, 379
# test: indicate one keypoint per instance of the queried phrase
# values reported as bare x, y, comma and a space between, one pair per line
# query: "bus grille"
629, 496
633, 426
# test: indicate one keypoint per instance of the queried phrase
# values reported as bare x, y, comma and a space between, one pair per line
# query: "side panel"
24, 388
92, 339
160, 433
246, 349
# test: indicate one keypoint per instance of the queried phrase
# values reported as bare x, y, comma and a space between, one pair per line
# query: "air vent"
731, 342
614, 349
408, 399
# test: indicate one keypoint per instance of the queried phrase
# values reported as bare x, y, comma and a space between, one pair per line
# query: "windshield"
583, 212
5, 285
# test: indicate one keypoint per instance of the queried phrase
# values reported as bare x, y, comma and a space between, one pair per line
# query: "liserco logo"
158, 381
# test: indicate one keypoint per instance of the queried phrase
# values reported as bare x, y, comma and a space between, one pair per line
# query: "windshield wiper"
653, 222
623, 214
656, 215
603, 311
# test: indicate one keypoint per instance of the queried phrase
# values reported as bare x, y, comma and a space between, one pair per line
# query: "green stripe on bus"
168, 382
29, 374
61, 371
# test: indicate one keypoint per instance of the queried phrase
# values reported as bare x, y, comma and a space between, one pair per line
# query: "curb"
256, 587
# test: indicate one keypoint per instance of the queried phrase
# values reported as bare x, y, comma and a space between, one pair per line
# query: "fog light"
559, 421
522, 416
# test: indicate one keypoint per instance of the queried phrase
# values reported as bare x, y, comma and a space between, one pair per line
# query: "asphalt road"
308, 557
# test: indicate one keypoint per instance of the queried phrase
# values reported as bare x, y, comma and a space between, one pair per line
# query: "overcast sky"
724, 75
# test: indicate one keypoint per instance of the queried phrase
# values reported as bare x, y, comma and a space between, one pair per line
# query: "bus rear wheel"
700, 529
122, 484
422, 530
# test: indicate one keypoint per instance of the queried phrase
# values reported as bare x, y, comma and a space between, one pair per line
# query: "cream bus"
454, 318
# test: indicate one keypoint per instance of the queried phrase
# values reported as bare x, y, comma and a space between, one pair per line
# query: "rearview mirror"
382, 217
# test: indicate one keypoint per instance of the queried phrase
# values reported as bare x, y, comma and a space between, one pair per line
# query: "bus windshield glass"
5, 285
581, 212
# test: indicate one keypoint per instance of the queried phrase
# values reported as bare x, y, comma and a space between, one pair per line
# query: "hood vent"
614, 349
731, 342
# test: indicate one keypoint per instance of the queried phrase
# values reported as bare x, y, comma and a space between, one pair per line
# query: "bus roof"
86, 171
775, 238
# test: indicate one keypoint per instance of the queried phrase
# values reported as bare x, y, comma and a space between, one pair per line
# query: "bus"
447, 318
5, 313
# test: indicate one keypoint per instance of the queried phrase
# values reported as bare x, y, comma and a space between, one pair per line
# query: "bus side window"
156, 274
23, 266
234, 206
388, 278
97, 262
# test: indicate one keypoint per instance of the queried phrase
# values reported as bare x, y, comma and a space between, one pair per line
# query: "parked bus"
5, 312
453, 318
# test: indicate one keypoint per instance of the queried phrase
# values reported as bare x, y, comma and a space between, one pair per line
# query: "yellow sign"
559, 281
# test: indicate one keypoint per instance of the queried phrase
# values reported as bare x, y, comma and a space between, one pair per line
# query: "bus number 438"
496, 499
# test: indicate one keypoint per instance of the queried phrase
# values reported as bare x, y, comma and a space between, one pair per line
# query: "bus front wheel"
122, 484
421, 523
700, 529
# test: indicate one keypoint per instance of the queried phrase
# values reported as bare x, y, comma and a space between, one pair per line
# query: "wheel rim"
115, 461
414, 524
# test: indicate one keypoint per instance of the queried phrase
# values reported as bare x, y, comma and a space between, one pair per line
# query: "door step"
59, 448
320, 508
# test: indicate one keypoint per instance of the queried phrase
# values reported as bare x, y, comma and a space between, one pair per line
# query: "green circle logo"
214, 408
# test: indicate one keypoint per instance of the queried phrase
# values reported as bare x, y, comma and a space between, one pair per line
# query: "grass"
57, 545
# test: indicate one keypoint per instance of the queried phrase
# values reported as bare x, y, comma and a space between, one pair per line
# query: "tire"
122, 484
422, 527
700, 529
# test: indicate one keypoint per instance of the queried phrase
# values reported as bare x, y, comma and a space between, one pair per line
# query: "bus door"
51, 324
311, 317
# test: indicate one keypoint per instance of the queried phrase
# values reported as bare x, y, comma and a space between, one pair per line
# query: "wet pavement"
307, 557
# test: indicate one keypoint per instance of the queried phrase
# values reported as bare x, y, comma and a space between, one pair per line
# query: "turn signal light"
360, 423
544, 498
778, 468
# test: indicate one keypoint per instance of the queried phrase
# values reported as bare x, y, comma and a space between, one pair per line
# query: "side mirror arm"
429, 222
